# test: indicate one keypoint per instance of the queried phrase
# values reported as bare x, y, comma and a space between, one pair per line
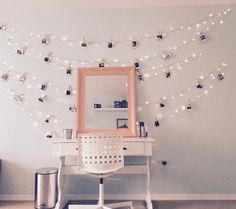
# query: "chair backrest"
100, 153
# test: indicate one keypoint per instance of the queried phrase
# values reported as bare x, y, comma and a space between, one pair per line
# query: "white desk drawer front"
68, 149
137, 148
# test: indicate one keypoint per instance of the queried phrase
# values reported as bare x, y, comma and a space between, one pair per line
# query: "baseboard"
16, 197
158, 197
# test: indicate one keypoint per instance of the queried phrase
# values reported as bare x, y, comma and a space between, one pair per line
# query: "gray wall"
199, 145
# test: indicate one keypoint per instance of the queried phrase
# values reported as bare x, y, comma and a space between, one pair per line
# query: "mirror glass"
106, 102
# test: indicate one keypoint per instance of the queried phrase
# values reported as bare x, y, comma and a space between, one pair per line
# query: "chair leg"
128, 204
101, 192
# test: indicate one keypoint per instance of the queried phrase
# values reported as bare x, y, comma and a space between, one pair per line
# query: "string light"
60, 61
220, 69
45, 39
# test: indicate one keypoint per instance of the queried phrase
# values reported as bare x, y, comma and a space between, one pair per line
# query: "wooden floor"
141, 205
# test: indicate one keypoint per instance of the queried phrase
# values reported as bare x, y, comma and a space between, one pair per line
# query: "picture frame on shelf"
121, 123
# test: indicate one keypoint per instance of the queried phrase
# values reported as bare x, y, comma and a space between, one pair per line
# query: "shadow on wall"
10, 179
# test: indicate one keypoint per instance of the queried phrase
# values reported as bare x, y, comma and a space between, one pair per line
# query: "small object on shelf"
124, 104
142, 130
121, 123
117, 104
97, 106
67, 133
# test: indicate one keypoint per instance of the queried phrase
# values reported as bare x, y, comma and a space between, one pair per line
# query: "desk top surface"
130, 139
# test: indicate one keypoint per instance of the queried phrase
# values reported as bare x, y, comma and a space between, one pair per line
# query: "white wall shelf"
110, 109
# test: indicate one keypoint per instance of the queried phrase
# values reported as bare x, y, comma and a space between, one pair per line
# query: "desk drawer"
137, 148
65, 149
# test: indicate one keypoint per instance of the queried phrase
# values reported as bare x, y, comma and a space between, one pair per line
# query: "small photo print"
121, 123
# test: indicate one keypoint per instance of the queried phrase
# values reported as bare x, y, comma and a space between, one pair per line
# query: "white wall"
199, 146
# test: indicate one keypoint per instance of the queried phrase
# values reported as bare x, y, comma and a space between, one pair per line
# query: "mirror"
106, 100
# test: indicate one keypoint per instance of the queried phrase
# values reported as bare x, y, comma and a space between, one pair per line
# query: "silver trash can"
46, 190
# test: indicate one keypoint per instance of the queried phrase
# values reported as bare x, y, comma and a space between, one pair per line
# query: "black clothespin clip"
69, 70
166, 55
140, 77
44, 86
48, 58
168, 74
23, 77
5, 76
160, 36
101, 64
199, 86
21, 51
45, 40
3, 27
73, 108
110, 44
203, 37
68, 91
19, 97
49, 135
162, 105
189, 107
136, 66
83, 43
49, 118
156, 123
43, 98
134, 44
220, 76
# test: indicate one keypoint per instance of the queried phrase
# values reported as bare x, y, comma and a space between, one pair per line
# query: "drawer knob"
124, 148
77, 148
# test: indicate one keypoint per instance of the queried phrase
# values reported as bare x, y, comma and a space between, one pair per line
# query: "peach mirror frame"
81, 79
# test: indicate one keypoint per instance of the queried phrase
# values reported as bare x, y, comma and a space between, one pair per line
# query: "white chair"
100, 156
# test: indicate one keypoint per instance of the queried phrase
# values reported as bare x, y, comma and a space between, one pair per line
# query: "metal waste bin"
46, 190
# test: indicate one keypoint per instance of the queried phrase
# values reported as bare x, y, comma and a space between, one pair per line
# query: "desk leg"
61, 182
148, 182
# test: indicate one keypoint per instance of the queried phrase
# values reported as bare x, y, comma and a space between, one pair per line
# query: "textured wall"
199, 145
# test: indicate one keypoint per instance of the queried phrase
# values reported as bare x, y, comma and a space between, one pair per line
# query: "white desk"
132, 147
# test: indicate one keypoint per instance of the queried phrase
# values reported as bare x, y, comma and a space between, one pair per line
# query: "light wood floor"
140, 205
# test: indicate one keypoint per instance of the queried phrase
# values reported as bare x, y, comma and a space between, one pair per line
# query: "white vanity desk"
132, 147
